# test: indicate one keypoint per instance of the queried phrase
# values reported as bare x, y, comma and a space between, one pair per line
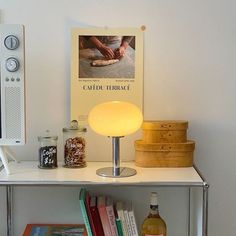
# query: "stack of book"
54, 229
104, 217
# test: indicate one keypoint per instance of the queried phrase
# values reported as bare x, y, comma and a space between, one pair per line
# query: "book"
119, 227
111, 216
120, 214
82, 195
127, 221
101, 205
54, 230
133, 223
87, 206
95, 216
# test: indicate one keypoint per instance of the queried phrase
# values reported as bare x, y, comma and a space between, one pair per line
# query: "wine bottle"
153, 225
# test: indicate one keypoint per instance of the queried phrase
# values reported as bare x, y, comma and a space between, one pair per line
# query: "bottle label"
154, 207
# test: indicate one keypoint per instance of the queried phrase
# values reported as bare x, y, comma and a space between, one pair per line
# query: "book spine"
119, 227
95, 216
126, 216
103, 216
84, 213
87, 203
86, 221
111, 218
120, 214
133, 223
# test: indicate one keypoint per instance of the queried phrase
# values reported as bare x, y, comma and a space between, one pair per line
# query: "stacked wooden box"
164, 144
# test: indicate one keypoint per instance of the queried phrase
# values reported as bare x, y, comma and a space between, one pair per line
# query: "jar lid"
43, 138
47, 136
74, 127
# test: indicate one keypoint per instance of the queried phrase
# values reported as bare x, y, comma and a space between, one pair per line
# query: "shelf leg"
9, 192
189, 211
205, 210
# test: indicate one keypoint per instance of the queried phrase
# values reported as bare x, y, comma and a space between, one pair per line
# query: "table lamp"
115, 119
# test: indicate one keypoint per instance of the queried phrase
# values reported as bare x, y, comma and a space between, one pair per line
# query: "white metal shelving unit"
27, 173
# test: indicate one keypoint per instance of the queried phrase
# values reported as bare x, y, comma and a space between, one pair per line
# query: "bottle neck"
154, 210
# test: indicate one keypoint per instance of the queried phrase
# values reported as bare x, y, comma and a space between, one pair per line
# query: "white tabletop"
28, 173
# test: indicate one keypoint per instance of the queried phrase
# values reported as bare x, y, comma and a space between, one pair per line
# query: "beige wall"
189, 73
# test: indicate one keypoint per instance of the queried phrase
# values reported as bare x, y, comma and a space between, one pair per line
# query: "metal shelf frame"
118, 182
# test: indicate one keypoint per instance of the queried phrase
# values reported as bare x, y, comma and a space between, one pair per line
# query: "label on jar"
48, 157
75, 152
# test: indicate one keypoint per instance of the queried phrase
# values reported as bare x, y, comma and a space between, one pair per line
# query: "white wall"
189, 73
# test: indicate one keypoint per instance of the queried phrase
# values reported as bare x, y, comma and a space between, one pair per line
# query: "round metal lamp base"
109, 172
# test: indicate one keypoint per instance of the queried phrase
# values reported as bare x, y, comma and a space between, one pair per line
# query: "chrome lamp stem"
116, 171
116, 155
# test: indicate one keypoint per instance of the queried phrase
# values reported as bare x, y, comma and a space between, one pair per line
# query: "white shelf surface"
28, 173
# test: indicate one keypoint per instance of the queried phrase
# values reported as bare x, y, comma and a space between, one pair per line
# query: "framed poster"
107, 65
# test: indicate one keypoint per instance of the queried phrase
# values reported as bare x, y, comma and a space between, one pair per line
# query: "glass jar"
47, 152
74, 145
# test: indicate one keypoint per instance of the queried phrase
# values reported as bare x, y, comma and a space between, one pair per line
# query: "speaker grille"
13, 113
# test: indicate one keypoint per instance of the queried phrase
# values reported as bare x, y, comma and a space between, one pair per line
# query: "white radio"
12, 83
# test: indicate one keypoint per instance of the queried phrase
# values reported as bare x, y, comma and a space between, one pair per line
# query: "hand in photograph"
103, 49
120, 52
106, 50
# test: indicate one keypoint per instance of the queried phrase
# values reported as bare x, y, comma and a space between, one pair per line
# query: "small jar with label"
74, 145
47, 152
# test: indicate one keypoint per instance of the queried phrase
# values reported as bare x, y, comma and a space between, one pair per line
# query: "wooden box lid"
165, 125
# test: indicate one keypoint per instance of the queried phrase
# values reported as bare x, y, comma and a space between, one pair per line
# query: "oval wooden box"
164, 154
165, 131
